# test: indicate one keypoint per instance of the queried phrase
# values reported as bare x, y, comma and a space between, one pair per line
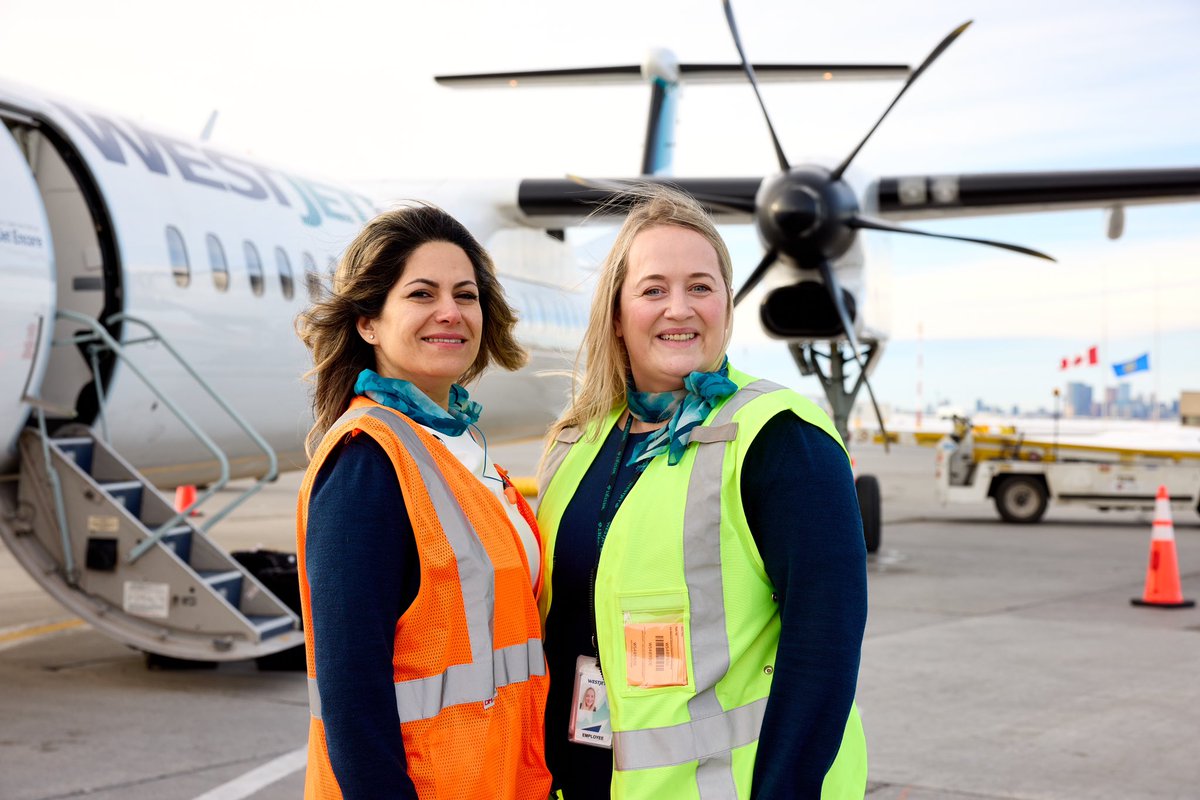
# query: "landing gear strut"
841, 401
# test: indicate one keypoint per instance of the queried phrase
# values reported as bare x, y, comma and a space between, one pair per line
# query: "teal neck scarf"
685, 408
410, 401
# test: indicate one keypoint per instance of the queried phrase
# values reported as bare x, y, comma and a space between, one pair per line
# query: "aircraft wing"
692, 73
562, 202
982, 194
557, 203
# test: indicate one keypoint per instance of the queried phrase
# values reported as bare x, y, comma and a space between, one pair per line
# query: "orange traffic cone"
185, 496
1162, 576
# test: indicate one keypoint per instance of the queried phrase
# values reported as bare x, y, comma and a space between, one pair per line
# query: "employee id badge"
590, 723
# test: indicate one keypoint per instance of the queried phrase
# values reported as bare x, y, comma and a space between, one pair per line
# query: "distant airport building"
1110, 401
1079, 399
1124, 399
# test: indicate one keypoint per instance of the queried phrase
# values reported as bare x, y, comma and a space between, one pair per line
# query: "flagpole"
920, 372
1057, 395
1157, 344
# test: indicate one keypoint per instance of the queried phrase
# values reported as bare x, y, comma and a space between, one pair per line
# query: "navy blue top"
363, 573
798, 494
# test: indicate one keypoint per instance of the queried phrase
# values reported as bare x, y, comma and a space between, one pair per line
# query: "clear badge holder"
590, 723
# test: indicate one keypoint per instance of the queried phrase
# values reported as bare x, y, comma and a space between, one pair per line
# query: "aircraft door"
27, 294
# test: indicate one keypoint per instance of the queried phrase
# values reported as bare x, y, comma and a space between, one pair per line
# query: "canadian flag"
1088, 359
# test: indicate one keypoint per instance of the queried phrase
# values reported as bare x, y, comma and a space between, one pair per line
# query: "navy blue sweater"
363, 573
798, 493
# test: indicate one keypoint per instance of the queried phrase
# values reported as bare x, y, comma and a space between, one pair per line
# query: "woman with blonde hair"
425, 666
703, 550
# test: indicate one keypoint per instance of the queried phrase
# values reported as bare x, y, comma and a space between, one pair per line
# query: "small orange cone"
1162, 575
185, 496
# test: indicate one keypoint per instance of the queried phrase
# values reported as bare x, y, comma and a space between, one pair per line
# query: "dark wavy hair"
371, 265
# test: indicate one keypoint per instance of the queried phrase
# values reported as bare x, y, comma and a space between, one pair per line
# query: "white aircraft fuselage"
102, 216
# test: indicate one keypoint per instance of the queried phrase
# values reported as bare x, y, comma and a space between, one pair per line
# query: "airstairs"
106, 544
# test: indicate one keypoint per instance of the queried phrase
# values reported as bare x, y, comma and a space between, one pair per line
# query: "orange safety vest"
468, 665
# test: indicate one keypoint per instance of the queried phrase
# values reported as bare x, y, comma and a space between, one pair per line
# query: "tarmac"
1000, 661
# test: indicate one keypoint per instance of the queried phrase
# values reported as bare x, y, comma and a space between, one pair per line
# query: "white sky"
345, 90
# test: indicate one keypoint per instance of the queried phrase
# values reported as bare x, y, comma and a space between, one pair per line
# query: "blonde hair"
371, 265
602, 366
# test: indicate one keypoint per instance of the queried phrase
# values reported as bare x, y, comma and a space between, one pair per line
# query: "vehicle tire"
1021, 499
869, 505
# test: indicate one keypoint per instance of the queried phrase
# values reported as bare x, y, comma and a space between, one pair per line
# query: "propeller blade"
729, 204
737, 41
871, 223
755, 276
835, 292
839, 303
937, 51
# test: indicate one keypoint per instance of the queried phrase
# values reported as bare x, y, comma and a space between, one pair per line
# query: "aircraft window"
216, 260
179, 257
285, 273
253, 267
311, 279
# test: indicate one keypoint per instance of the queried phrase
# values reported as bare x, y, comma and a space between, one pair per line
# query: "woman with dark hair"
425, 666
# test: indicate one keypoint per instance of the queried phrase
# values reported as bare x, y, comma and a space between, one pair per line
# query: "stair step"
270, 626
127, 493
179, 539
227, 583
78, 450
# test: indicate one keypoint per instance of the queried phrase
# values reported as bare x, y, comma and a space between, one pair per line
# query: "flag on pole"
1087, 359
1139, 364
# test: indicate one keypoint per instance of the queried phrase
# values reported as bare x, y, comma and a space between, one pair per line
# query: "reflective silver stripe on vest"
477, 681
709, 739
467, 683
314, 698
713, 732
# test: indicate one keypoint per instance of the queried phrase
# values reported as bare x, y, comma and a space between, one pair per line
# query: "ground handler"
704, 530
426, 673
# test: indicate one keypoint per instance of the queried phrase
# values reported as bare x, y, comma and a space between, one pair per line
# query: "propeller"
809, 216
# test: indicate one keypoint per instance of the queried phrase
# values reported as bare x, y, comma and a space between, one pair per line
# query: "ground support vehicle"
1022, 476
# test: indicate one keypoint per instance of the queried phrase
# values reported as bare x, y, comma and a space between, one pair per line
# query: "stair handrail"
70, 573
272, 460
100, 334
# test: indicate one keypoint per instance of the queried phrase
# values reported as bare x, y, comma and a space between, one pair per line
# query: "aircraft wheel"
869, 505
1021, 499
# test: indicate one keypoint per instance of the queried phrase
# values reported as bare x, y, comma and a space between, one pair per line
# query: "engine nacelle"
804, 310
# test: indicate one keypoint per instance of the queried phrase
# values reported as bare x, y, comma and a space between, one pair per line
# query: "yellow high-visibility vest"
679, 559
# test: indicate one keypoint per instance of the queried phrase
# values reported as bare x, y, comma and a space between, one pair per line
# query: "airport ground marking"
29, 632
259, 777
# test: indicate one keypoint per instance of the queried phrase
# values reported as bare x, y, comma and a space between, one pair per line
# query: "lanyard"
603, 525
